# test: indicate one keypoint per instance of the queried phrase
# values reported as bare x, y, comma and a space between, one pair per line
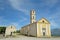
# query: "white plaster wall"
39, 30
9, 30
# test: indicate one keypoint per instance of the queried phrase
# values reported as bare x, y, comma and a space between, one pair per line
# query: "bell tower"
32, 16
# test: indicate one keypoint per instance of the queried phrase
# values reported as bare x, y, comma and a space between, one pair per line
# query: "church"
40, 28
10, 30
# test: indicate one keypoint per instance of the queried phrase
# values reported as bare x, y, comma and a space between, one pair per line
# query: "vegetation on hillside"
2, 30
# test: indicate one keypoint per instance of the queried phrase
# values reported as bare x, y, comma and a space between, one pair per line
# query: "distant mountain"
55, 32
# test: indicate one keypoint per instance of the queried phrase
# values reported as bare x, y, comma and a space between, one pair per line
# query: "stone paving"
29, 38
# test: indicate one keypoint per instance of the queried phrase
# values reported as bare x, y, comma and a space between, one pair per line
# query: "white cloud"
14, 23
17, 4
49, 3
17, 24
23, 19
22, 5
54, 19
53, 23
55, 15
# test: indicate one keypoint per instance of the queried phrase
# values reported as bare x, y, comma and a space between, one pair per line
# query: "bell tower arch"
32, 16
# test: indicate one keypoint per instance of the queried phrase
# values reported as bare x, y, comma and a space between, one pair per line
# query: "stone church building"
39, 28
10, 30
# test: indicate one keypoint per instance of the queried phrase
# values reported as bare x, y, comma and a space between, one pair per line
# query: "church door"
11, 34
43, 33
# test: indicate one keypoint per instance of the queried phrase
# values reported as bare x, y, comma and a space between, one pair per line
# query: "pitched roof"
44, 19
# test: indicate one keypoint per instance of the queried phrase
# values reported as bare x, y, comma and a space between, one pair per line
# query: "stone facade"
43, 28
9, 30
39, 28
32, 16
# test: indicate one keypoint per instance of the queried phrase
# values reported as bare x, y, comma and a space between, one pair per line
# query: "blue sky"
17, 12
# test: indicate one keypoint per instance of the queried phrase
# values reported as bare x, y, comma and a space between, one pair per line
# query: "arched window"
11, 26
33, 11
43, 21
33, 17
43, 33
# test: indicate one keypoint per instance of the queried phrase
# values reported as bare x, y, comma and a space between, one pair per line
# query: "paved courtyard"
29, 38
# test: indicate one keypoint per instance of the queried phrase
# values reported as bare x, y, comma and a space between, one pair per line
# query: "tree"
2, 30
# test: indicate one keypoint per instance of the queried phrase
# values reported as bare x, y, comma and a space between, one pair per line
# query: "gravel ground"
29, 38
